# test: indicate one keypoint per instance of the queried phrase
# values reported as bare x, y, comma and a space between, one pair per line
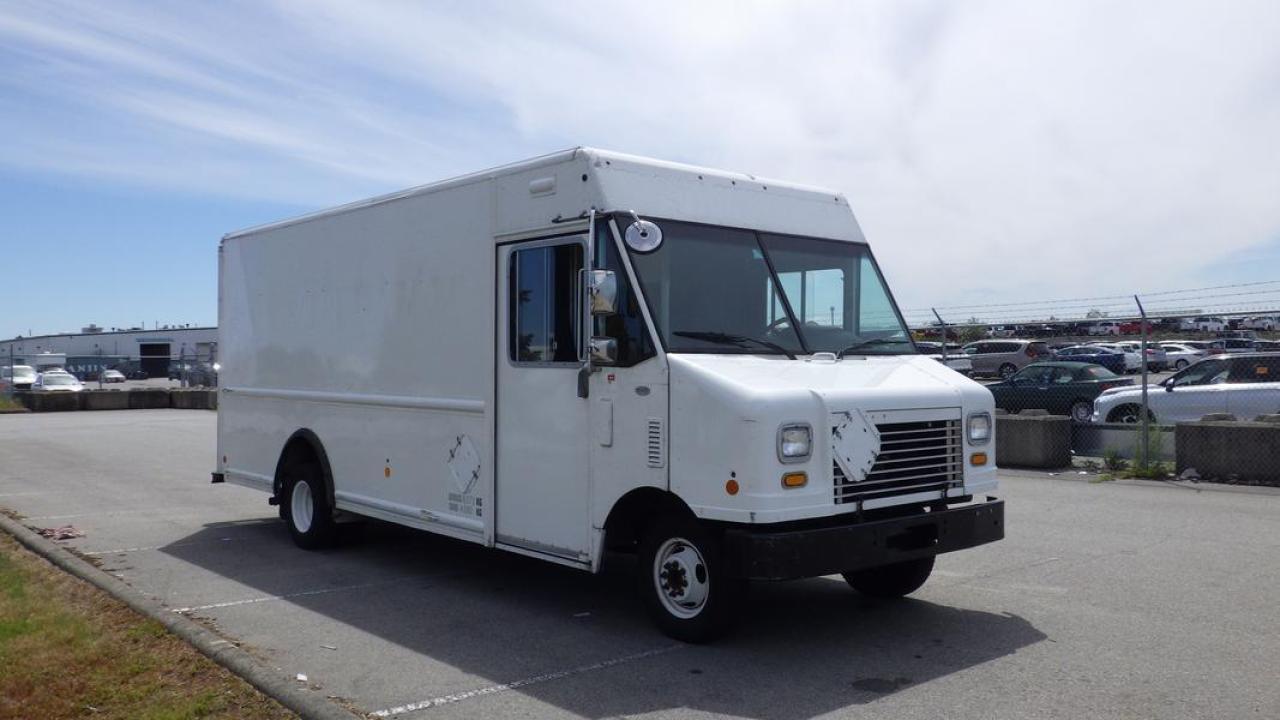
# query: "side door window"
546, 310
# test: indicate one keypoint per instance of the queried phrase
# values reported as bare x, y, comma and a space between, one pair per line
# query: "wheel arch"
304, 444
631, 513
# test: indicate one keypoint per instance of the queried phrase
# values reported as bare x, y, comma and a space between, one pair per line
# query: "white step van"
592, 351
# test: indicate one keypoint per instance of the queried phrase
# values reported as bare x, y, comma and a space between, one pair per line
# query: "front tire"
305, 507
891, 581
1007, 370
1129, 415
683, 583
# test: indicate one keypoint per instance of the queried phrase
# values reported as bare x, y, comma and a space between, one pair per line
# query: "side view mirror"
603, 289
604, 350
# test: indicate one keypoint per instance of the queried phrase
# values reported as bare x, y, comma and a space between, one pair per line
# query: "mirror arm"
587, 319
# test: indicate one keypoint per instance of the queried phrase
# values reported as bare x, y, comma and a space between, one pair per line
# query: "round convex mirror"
643, 236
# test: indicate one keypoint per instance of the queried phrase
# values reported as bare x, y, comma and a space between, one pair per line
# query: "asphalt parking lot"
1116, 599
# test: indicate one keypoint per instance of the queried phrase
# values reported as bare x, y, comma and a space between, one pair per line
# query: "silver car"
1244, 385
56, 382
1005, 357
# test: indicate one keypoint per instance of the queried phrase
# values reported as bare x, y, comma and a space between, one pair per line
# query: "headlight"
979, 428
795, 443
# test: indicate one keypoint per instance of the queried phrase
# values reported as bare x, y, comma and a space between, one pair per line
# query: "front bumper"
761, 554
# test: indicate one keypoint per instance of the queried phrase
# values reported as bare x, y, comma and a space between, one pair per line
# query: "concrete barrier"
193, 399
104, 400
148, 398
1033, 441
1123, 440
50, 401
1246, 451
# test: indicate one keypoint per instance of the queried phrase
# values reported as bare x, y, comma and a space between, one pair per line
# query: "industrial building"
94, 348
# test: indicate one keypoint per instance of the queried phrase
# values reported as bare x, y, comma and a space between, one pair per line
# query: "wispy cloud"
991, 148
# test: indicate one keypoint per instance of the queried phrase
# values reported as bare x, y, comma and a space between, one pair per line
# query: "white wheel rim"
681, 578
1083, 412
300, 506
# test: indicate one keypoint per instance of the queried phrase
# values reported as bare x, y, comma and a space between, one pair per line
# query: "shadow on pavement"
804, 648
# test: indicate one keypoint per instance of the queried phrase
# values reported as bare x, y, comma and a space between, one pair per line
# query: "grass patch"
69, 650
9, 404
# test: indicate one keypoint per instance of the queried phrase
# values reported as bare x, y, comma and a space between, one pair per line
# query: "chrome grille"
914, 457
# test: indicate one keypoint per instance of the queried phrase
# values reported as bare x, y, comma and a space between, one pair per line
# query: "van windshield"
715, 289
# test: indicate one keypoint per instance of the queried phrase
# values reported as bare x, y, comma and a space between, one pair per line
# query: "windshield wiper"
727, 339
867, 343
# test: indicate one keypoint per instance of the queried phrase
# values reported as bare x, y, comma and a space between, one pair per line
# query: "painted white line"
29, 492
141, 548
537, 679
286, 596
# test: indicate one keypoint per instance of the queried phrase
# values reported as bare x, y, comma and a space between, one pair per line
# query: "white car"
20, 377
1106, 327
1132, 358
1264, 322
1181, 355
1157, 357
1209, 324
56, 382
112, 376
1244, 385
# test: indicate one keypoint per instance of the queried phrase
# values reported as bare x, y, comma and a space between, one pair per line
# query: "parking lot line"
537, 679
287, 596
143, 548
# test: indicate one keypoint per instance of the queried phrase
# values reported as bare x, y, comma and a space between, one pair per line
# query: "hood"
867, 382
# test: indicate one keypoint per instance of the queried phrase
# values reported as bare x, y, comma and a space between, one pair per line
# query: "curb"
229, 656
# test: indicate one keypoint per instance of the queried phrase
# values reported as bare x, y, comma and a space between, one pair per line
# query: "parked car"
1004, 357
1157, 357
1238, 345
1062, 388
112, 376
1180, 355
1109, 359
20, 377
1106, 327
1209, 324
1267, 346
1132, 358
1001, 331
1243, 385
1133, 327
954, 359
56, 381
1266, 322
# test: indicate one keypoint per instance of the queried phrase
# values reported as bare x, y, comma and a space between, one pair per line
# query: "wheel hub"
681, 578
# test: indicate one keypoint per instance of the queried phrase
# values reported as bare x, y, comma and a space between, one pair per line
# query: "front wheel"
891, 581
1007, 370
683, 582
1180, 365
1129, 414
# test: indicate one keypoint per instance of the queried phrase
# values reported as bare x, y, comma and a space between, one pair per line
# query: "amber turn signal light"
795, 480
731, 487
978, 459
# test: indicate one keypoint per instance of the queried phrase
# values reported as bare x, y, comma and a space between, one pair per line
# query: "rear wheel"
1081, 411
683, 582
1180, 365
305, 507
891, 581
1007, 370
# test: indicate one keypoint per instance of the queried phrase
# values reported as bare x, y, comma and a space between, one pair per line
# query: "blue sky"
993, 151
